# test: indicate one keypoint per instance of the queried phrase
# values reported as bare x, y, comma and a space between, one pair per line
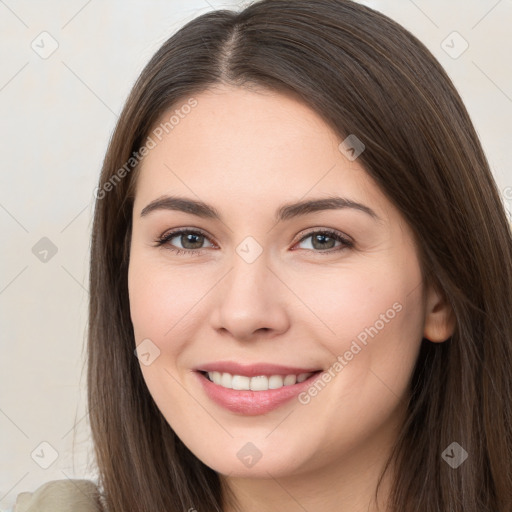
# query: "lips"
253, 370
251, 402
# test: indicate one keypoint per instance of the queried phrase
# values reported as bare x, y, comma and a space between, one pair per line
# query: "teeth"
225, 381
275, 382
289, 380
259, 383
240, 382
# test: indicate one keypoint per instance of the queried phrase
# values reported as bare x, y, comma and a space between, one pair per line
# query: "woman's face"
268, 289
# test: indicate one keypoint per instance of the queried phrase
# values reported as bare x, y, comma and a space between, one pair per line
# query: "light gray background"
57, 116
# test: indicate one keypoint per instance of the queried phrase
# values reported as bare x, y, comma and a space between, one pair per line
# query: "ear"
439, 316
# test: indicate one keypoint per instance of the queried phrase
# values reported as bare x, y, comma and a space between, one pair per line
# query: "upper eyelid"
171, 233
309, 231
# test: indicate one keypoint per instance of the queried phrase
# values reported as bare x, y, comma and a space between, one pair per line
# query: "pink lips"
253, 370
252, 403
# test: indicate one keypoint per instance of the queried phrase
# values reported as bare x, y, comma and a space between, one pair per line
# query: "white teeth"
275, 382
289, 380
240, 382
225, 380
259, 383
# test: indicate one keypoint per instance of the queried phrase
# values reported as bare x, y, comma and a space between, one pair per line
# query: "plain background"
57, 116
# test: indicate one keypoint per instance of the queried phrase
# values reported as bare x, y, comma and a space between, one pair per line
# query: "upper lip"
253, 369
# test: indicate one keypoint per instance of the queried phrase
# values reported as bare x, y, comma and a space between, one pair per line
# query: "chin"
258, 458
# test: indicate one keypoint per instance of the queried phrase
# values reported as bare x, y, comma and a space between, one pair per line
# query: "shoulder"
67, 495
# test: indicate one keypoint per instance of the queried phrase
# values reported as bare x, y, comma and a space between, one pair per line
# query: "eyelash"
166, 237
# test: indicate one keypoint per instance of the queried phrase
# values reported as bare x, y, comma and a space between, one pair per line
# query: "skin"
247, 152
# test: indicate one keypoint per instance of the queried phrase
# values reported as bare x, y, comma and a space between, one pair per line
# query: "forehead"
249, 144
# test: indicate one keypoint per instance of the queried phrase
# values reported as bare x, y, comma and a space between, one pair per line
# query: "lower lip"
252, 403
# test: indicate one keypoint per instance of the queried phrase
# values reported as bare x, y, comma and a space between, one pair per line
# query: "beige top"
61, 496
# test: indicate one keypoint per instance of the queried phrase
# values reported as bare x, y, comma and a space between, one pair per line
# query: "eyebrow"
285, 212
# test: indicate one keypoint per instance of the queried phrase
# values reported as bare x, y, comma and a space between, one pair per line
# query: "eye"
192, 241
325, 239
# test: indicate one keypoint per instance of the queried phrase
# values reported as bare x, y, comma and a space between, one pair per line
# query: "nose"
250, 301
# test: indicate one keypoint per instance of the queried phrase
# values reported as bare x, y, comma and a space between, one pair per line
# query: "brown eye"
325, 240
191, 241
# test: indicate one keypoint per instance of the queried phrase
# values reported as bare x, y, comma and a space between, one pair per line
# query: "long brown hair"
368, 76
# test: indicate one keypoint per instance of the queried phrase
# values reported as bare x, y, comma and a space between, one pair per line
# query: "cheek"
159, 303
147, 301
344, 303
372, 324
164, 302
372, 319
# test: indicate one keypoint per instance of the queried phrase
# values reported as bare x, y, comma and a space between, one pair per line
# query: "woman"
301, 277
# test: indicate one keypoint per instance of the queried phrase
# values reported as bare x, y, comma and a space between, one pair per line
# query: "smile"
258, 383
255, 389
